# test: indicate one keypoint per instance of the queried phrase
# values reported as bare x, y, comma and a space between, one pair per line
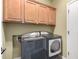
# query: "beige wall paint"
11, 29
3, 42
61, 18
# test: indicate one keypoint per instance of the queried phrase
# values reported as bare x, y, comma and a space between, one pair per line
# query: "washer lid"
55, 46
31, 34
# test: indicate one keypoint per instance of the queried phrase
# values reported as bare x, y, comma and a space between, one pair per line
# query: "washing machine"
54, 45
41, 45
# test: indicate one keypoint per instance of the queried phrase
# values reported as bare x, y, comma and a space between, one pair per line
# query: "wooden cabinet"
38, 13
52, 16
29, 11
12, 10
43, 14
47, 15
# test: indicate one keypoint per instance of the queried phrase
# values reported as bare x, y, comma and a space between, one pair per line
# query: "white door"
72, 0
72, 28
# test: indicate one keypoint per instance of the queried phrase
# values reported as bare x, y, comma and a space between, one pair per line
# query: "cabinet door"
12, 10
52, 16
31, 10
43, 14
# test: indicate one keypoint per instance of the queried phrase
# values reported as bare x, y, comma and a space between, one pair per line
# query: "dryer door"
54, 47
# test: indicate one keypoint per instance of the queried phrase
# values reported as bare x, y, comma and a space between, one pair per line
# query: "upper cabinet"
28, 11
52, 16
31, 10
12, 10
43, 14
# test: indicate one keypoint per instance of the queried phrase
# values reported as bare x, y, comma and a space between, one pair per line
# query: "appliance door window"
55, 46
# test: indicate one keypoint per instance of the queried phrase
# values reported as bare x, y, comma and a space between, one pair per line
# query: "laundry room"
35, 29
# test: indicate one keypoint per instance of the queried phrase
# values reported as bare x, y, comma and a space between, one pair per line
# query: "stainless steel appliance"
53, 45
40, 45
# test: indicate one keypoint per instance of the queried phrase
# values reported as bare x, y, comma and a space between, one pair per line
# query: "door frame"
69, 3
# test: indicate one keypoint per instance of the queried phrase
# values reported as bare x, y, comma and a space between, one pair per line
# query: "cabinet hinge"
68, 53
68, 32
68, 11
